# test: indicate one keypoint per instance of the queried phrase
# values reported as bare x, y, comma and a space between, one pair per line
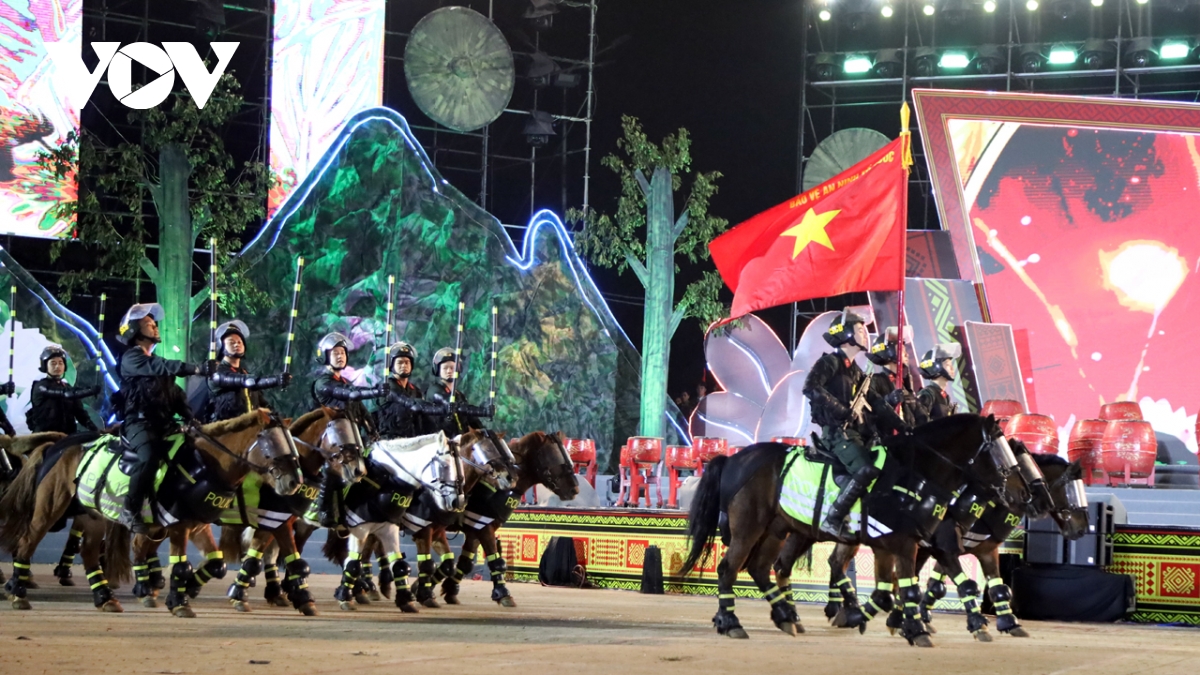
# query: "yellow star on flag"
811, 228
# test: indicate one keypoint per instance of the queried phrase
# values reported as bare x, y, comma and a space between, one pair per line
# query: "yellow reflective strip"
254, 553
994, 581
960, 578
215, 555
353, 555
177, 558
296, 556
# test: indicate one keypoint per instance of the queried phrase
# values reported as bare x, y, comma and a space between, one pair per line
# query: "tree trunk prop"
176, 239
660, 300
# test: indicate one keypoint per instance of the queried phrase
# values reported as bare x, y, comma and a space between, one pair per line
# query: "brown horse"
18, 450
740, 495
227, 452
320, 438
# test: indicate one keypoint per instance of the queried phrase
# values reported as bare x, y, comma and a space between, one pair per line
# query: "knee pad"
465, 564
936, 588
216, 568
353, 568
447, 567
182, 570
298, 567
883, 600
999, 593
401, 569
252, 566
968, 588
910, 594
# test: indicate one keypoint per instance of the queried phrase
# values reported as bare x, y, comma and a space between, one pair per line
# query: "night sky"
730, 73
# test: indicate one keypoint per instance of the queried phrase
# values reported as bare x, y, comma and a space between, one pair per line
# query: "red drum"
707, 448
1121, 410
1002, 409
681, 457
625, 455
645, 449
581, 450
1128, 448
1084, 445
790, 440
1037, 432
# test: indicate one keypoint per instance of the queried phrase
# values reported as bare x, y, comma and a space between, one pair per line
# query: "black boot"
327, 506
855, 488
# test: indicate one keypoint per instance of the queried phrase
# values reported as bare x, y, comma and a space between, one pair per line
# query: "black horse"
921, 471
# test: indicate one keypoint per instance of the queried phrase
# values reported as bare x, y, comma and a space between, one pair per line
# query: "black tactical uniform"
7, 389
405, 414
232, 390
463, 416
883, 388
934, 400
56, 405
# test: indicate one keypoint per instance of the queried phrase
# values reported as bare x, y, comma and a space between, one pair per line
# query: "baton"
457, 354
387, 330
291, 333
212, 299
100, 366
495, 340
12, 330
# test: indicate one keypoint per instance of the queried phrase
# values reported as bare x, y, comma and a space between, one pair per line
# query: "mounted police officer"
56, 405
405, 414
7, 389
939, 367
232, 390
331, 390
151, 404
885, 354
462, 416
831, 387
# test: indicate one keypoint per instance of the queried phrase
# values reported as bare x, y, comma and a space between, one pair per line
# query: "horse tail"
705, 514
336, 549
19, 502
231, 542
118, 567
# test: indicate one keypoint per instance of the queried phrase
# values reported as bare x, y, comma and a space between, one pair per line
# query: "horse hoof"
923, 641
149, 602
374, 595
183, 612
347, 605
21, 603
738, 634
409, 608
31, 584
798, 626
930, 629
309, 609
362, 599
451, 600
279, 601
241, 605
983, 636
892, 630
1018, 632
66, 581
431, 603
789, 628
507, 601
839, 619
112, 606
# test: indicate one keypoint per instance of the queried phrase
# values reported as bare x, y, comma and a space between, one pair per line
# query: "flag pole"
906, 161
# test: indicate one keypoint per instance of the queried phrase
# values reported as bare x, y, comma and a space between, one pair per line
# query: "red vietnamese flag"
843, 236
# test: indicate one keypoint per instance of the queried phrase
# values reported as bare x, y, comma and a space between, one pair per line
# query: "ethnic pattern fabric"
1165, 565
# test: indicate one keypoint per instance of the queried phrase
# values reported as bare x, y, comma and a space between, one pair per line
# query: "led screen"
34, 113
327, 66
1087, 244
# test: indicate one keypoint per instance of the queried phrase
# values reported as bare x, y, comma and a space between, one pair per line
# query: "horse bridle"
195, 431
1070, 509
567, 466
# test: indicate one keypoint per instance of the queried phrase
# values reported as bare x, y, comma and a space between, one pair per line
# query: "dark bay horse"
740, 496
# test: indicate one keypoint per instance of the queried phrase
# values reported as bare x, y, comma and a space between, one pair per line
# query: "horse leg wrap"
213, 568
350, 574
252, 564
968, 592
781, 612
63, 569
497, 567
424, 573
466, 564
400, 567
295, 584
141, 580
271, 589
1001, 600
101, 593
366, 583
16, 586
445, 568
834, 603
934, 590
182, 577
156, 579
910, 593
725, 619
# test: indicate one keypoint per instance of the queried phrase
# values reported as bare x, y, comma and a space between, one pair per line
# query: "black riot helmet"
49, 353
841, 331
228, 328
401, 350
442, 356
931, 363
329, 342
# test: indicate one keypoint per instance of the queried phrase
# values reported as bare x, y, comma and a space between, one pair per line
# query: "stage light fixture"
1098, 54
824, 15
1139, 52
1062, 55
1031, 5
1142, 2
1031, 59
989, 6
1097, 3
540, 14
1174, 49
925, 62
954, 60
886, 11
856, 64
824, 66
988, 60
539, 129
888, 64
927, 10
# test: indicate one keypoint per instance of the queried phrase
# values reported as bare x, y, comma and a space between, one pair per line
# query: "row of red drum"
1114, 451
1004, 410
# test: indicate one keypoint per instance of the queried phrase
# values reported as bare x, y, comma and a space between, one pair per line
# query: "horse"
539, 458
324, 441
16, 451
746, 496
212, 461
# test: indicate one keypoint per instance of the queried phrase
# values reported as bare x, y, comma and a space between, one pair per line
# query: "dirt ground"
553, 630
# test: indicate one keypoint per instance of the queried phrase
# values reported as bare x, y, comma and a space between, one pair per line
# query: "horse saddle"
820, 453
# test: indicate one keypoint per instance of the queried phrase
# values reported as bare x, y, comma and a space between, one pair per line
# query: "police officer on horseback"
462, 416
232, 390
56, 405
832, 386
939, 367
150, 402
885, 354
405, 414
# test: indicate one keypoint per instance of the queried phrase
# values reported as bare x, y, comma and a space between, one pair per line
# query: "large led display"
327, 66
1080, 218
34, 113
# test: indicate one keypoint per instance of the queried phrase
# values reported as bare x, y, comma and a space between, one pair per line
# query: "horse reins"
193, 428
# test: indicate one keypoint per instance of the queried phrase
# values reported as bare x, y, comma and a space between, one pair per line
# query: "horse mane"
302, 423
1044, 461
524, 444
22, 445
236, 424
402, 445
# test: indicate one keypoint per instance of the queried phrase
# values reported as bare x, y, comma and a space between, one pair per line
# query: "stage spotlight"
1031, 59
888, 63
824, 15
1062, 55
540, 14
1139, 52
988, 60
1031, 5
927, 10
989, 6
856, 64
954, 60
1174, 49
1098, 54
824, 66
1142, 2
925, 62
539, 129
886, 11
1097, 3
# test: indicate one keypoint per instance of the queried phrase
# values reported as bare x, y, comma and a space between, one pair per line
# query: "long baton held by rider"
291, 332
387, 329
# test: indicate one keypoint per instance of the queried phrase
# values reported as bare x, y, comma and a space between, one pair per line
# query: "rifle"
859, 404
